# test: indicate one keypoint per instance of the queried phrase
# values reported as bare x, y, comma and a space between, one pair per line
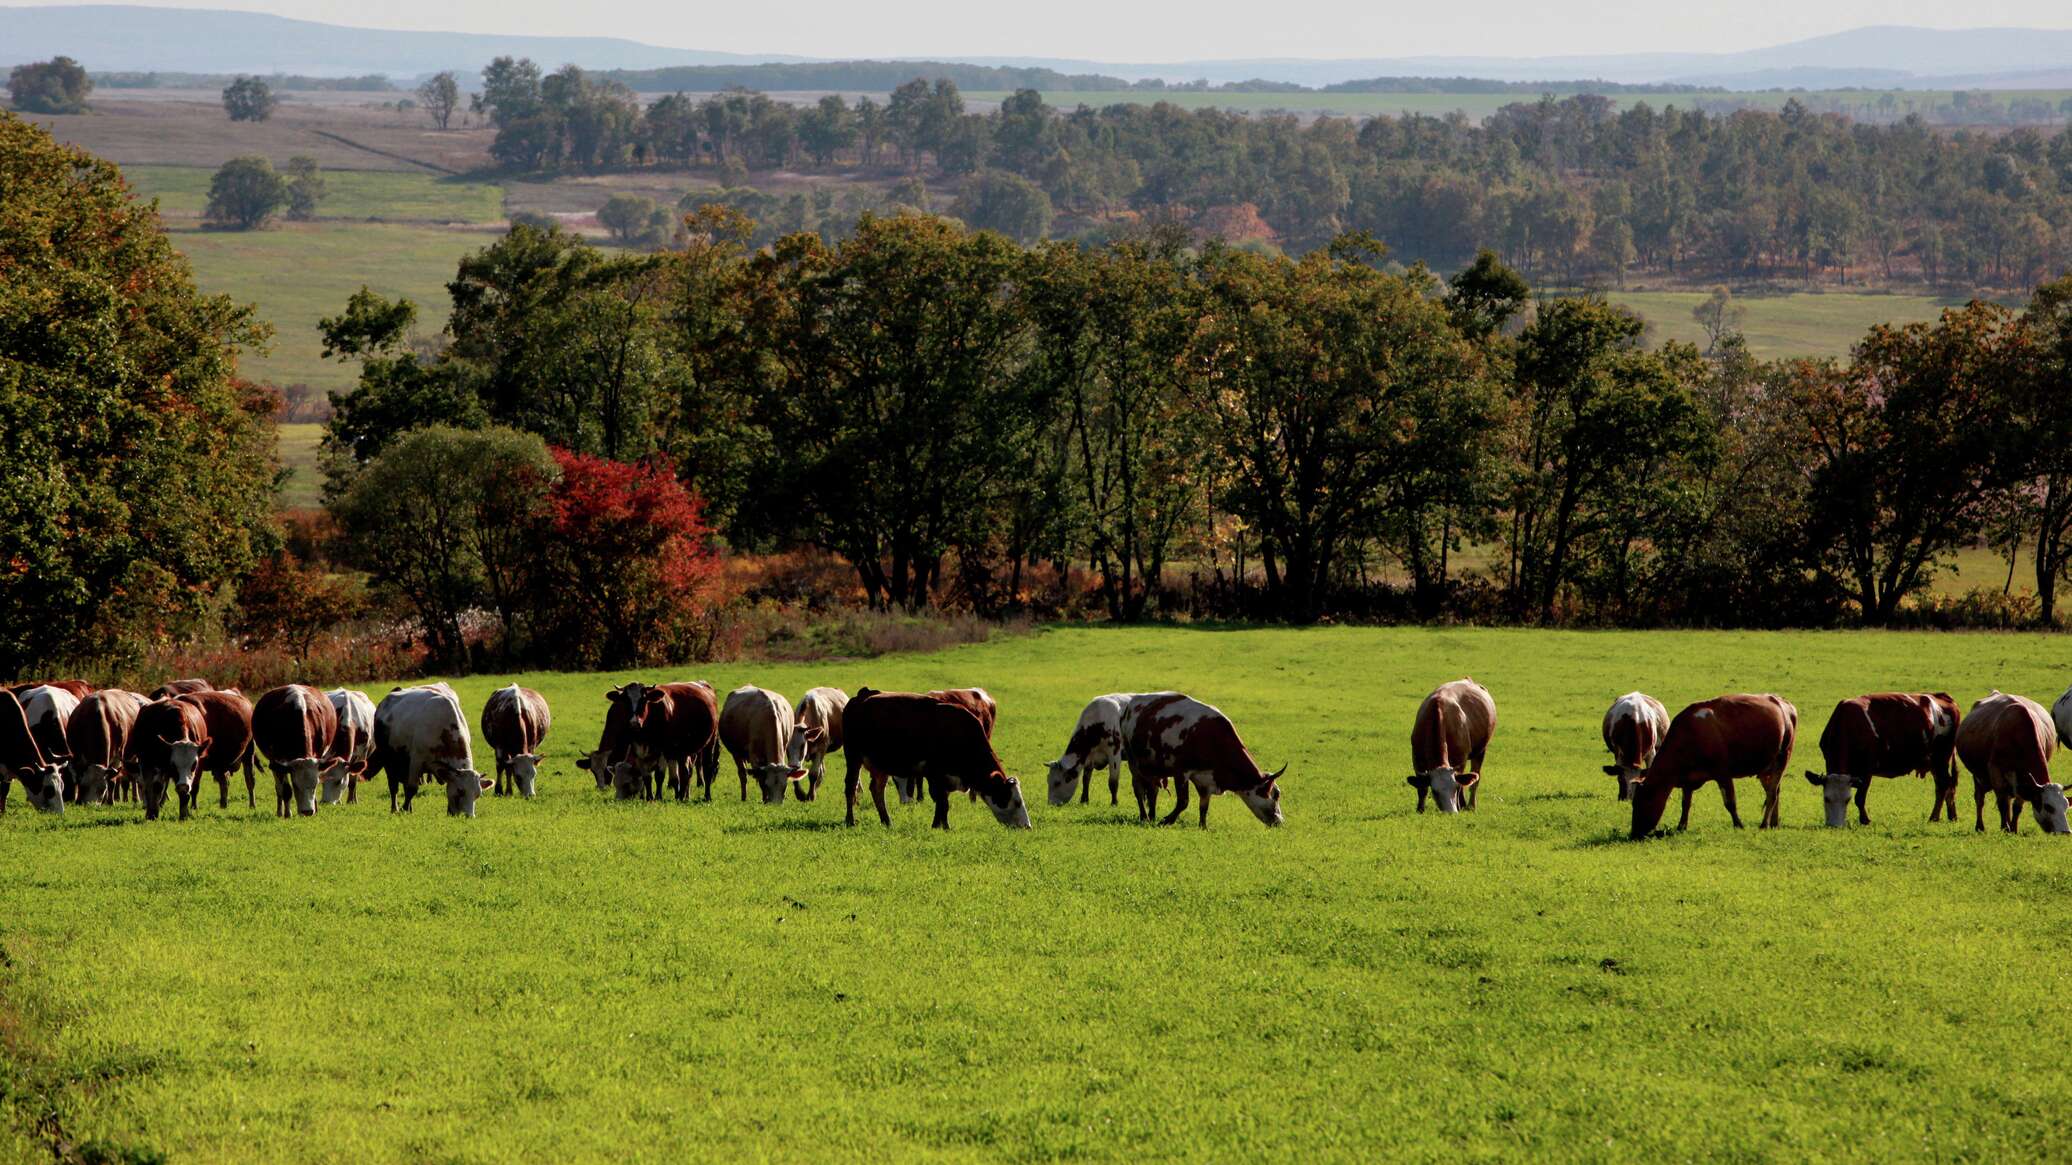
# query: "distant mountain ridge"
111, 37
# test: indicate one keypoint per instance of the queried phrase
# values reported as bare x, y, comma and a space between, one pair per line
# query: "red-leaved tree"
632, 566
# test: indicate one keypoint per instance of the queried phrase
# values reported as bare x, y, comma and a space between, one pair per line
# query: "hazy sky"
1122, 30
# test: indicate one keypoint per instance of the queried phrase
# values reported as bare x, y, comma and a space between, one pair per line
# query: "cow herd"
67, 742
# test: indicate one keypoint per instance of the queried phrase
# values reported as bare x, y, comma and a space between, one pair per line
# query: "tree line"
1569, 191
1300, 438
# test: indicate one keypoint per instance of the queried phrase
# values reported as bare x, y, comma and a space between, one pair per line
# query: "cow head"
909, 787
1064, 781
599, 765
773, 778
336, 779
464, 786
183, 770
1626, 774
303, 776
2051, 815
628, 779
1835, 791
639, 699
1264, 799
44, 783
89, 781
525, 772
1446, 786
1007, 805
804, 738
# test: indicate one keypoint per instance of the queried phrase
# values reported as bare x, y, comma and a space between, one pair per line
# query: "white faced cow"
352, 748
1447, 743
1633, 730
49, 708
293, 727
1167, 735
21, 759
421, 732
1096, 743
98, 735
815, 732
514, 724
756, 729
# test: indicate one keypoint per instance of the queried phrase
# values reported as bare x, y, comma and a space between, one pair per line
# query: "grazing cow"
1718, 740
1170, 736
917, 736
352, 748
1633, 729
675, 727
21, 759
49, 708
1886, 734
613, 743
816, 732
514, 723
172, 688
755, 727
1096, 743
2006, 741
1447, 742
168, 746
99, 735
293, 728
973, 700
421, 732
230, 740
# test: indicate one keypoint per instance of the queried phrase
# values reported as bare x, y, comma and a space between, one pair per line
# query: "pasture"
572, 978
1801, 323
354, 195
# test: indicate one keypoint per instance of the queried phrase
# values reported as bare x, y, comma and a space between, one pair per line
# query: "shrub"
286, 603
248, 99
245, 193
58, 85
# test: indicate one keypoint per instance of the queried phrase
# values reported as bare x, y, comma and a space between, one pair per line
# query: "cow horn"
1276, 774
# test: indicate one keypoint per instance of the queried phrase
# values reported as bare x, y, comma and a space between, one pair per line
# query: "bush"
58, 85
245, 193
248, 99
305, 188
288, 604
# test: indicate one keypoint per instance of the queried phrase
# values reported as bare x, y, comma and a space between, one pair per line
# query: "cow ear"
1415, 781
1611, 770
614, 694
488, 783
583, 763
1814, 779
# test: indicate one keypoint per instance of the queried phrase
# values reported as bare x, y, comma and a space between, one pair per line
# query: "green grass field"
348, 194
298, 450
299, 273
574, 979
1796, 324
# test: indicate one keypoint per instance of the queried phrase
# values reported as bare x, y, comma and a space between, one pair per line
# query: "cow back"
755, 725
180, 688
423, 724
1633, 728
687, 723
50, 709
908, 732
822, 708
354, 739
1727, 736
973, 700
18, 747
229, 717
294, 722
515, 720
2007, 737
161, 721
1167, 734
100, 729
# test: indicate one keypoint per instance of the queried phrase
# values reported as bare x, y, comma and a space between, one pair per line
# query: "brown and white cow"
515, 723
168, 748
675, 729
2007, 741
1447, 743
1633, 729
907, 734
352, 749
22, 759
755, 727
99, 736
1885, 734
1171, 736
816, 731
230, 740
293, 727
420, 732
49, 708
1720, 739
613, 743
180, 688
1096, 743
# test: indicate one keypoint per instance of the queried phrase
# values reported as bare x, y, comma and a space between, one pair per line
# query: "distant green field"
573, 979
348, 194
1798, 324
299, 273
298, 449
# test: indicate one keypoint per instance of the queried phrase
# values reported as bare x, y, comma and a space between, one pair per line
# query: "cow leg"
1180, 785
1772, 784
1204, 795
878, 797
5, 784
1086, 789
1863, 813
741, 771
1978, 796
2010, 813
222, 790
1726, 796
1114, 782
939, 789
1684, 822
849, 791
251, 800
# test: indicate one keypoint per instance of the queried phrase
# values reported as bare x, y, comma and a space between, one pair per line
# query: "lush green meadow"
299, 452
574, 979
1795, 324
298, 273
381, 195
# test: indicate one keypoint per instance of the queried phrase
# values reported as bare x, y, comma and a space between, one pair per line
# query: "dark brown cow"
973, 700
2006, 741
230, 740
168, 746
1168, 735
675, 728
1886, 734
514, 724
172, 688
1448, 740
613, 743
293, 728
906, 734
1720, 739
99, 734
21, 759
